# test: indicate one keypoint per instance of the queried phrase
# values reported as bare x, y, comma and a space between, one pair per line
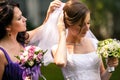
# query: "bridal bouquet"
109, 48
30, 60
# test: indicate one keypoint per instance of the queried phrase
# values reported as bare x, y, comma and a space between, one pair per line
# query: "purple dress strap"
12, 70
6, 55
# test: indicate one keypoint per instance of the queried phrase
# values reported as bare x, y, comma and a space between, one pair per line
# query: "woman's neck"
10, 39
75, 40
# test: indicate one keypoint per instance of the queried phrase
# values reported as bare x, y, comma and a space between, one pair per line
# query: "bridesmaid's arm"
2, 64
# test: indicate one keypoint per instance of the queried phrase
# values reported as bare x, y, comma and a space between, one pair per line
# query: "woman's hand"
53, 5
112, 62
61, 25
28, 78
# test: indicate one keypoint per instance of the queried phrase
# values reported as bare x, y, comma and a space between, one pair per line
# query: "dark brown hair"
74, 11
6, 17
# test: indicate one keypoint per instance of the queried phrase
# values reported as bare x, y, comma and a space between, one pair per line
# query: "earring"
8, 31
9, 34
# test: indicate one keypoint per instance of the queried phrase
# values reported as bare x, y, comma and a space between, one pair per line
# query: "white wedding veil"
49, 36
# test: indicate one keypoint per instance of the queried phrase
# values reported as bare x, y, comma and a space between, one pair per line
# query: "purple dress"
12, 70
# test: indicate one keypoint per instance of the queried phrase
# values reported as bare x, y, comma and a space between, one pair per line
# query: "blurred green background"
105, 23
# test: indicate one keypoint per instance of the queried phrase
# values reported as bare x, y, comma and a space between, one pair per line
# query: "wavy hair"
74, 11
6, 17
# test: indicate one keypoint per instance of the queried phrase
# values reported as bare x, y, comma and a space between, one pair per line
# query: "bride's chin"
83, 35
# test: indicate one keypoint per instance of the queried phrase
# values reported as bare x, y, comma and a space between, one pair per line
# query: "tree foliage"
105, 20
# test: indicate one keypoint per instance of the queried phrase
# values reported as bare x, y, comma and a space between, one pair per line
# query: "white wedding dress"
82, 66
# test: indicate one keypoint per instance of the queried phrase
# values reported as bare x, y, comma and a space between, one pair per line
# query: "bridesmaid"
13, 37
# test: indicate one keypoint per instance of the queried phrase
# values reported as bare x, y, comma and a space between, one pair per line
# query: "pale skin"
76, 35
10, 44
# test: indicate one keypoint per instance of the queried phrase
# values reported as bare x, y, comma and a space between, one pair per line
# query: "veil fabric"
49, 35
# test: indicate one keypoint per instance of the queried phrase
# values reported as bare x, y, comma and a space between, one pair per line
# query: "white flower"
109, 47
27, 48
25, 53
31, 56
37, 49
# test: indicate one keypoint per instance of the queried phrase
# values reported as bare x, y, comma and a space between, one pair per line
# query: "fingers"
60, 20
28, 78
54, 4
113, 62
61, 25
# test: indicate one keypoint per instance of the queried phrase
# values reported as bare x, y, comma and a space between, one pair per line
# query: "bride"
73, 48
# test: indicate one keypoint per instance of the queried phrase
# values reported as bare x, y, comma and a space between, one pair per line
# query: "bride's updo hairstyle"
6, 17
74, 12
